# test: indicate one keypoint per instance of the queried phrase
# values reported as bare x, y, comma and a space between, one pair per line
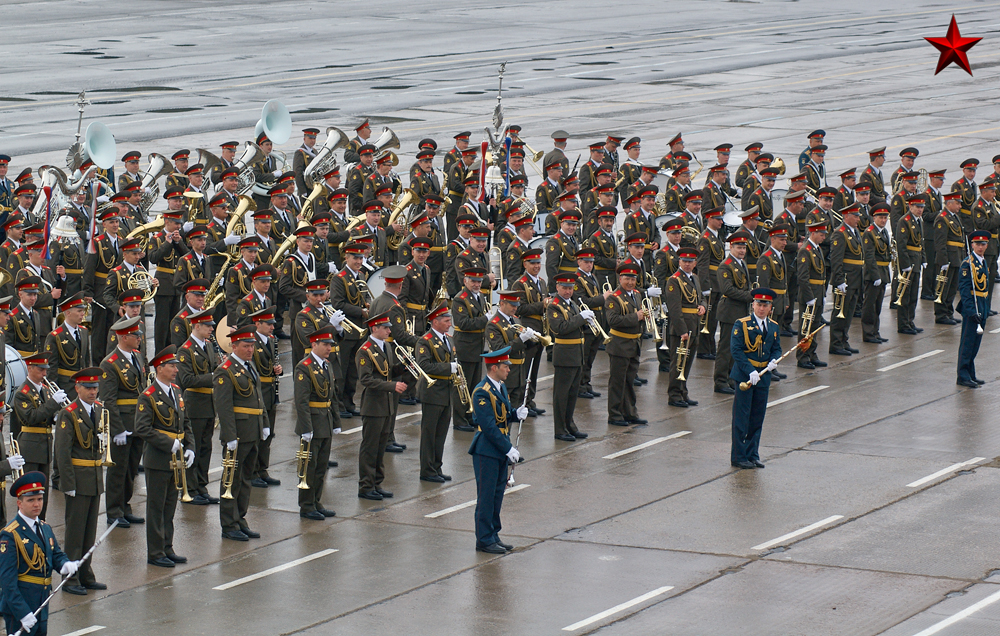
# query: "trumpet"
178, 465
104, 438
541, 339
704, 317
328, 311
52, 387
595, 326
411, 365
302, 457
651, 327
807, 318
15, 449
941, 282
839, 300
904, 284
683, 352
606, 287
228, 471
463, 389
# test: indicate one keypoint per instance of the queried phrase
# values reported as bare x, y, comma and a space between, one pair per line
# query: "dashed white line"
997, 330
275, 570
911, 360
618, 608
797, 533
651, 442
945, 471
795, 396
968, 611
86, 630
469, 504
351, 431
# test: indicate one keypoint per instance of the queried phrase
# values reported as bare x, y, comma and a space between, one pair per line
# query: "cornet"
463, 388
53, 388
228, 471
941, 281
595, 326
682, 357
904, 284
807, 318
302, 457
541, 339
704, 317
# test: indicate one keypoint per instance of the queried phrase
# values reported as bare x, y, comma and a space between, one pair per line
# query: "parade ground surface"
877, 511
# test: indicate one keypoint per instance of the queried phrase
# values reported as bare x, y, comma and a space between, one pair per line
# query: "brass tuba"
159, 166
252, 154
210, 162
409, 198
386, 143
325, 160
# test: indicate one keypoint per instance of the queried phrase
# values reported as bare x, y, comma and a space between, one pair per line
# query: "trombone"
595, 326
839, 300
228, 471
683, 352
411, 365
178, 465
302, 457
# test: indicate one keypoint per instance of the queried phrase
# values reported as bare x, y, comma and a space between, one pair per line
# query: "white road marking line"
911, 360
997, 330
945, 471
651, 442
351, 431
214, 471
86, 630
968, 611
618, 608
797, 533
275, 570
795, 396
546, 377
469, 504
406, 415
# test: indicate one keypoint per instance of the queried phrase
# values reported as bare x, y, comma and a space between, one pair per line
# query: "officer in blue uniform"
491, 449
29, 553
756, 348
973, 288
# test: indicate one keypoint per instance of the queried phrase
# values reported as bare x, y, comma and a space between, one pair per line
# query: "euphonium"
302, 457
104, 439
409, 198
839, 300
237, 225
682, 357
179, 466
463, 389
411, 365
325, 160
651, 327
148, 228
228, 471
159, 166
252, 155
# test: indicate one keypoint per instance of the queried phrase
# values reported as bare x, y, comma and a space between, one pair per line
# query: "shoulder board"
463, 295
228, 363
496, 319
150, 390
188, 256
809, 246
555, 300
428, 336
618, 292
307, 361
465, 252
744, 319
409, 267
637, 214
367, 345
676, 274
706, 234
307, 309
58, 330
118, 268
523, 279
114, 356
944, 213
46, 267
25, 389
728, 261
71, 407
342, 273
10, 527
186, 345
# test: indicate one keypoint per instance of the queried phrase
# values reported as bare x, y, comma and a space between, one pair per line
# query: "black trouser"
930, 269
434, 421
592, 344
532, 357
202, 429
120, 479
473, 374
319, 462
165, 308
621, 388
161, 502
348, 378
264, 446
707, 344
677, 390
907, 310
371, 456
945, 309
871, 316
724, 356
81, 532
233, 512
839, 327
565, 389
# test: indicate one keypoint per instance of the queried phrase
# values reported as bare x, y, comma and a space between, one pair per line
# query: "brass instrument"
442, 295
411, 325
541, 339
228, 471
147, 228
209, 162
941, 282
606, 287
902, 286
159, 166
325, 159
179, 466
279, 254
620, 244
683, 352
354, 222
302, 457
704, 317
595, 327
411, 365
808, 316
385, 144
252, 155
237, 225
839, 300
52, 387
496, 265
921, 182
140, 279
651, 327
779, 165
365, 291
691, 233
408, 198
216, 291
15, 449
701, 167
328, 310
307, 205
463, 389
104, 437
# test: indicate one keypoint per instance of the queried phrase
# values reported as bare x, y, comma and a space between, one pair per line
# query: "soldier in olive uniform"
160, 423
733, 280
260, 277
424, 180
685, 305
465, 223
458, 173
588, 291
388, 302
455, 153
530, 313
194, 302
605, 246
970, 192
378, 372
165, 249
561, 249
237, 397
347, 297
435, 354
68, 345
268, 370
949, 246
567, 321
524, 232
24, 330
31, 422
468, 311
711, 252
196, 362
772, 271
238, 282
504, 330
909, 252
625, 321
298, 268
357, 176
811, 271
417, 293
70, 256
873, 175
78, 462
548, 191
847, 276
876, 242
932, 210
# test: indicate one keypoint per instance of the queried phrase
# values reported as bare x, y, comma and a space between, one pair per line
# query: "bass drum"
778, 201
540, 222
376, 282
731, 219
17, 372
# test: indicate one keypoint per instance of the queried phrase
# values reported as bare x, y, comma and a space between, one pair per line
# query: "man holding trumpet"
317, 421
686, 305
35, 406
435, 353
756, 349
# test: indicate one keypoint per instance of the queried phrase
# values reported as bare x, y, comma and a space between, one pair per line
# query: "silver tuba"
56, 180
210, 162
252, 154
386, 142
325, 160
159, 166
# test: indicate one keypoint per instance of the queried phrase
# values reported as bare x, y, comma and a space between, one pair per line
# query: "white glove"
454, 367
176, 447
771, 366
707, 293
754, 377
232, 445
307, 437
811, 303
653, 292
103, 198
513, 455
522, 413
525, 335
276, 173
187, 227
70, 567
267, 433
878, 282
59, 396
145, 190
121, 439
189, 458
16, 462
28, 622
907, 270
232, 239
333, 267
588, 314
337, 318
842, 287
336, 431
944, 268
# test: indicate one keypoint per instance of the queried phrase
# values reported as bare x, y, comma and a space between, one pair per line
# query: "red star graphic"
953, 47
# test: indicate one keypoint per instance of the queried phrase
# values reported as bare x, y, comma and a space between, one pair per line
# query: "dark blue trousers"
41, 628
491, 479
968, 347
748, 417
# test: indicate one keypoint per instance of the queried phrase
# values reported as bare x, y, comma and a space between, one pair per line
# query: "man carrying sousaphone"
243, 423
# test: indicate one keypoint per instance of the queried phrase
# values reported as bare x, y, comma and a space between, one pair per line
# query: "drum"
778, 201
376, 282
540, 222
17, 372
731, 220
663, 218
222, 335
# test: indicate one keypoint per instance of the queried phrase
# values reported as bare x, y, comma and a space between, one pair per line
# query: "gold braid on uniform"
720, 254
292, 268
356, 299
70, 362
134, 388
757, 343
236, 385
22, 336
493, 402
34, 563
267, 368
736, 277
371, 356
774, 269
84, 443
691, 297
978, 281
847, 244
324, 392
159, 416
194, 365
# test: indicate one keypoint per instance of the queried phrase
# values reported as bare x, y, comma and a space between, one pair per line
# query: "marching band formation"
446, 293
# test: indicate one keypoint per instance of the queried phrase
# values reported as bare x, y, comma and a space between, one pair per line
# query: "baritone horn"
683, 352
302, 457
